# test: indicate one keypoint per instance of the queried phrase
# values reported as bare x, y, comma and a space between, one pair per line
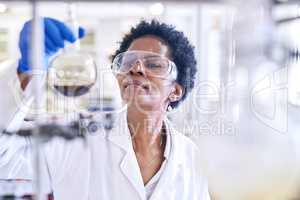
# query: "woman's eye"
154, 65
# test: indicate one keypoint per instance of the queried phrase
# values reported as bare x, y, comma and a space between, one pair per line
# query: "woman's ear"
177, 93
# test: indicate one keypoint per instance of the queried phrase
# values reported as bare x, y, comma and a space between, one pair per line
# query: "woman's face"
144, 92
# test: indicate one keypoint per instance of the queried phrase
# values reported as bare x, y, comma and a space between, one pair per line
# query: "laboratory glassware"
73, 72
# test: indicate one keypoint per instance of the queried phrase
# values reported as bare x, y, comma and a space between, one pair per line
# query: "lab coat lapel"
121, 137
131, 171
173, 165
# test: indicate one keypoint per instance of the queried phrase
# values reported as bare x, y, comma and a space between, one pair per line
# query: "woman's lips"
136, 83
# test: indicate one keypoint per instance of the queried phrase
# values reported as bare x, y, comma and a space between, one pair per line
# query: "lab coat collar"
120, 134
121, 137
174, 162
168, 142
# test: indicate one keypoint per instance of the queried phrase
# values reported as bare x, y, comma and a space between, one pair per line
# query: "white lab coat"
105, 167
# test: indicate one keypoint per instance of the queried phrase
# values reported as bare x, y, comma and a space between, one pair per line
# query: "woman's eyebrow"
152, 56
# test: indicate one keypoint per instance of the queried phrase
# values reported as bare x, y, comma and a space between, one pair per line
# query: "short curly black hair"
182, 52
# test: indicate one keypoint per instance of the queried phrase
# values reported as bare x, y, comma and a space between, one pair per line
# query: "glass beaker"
73, 72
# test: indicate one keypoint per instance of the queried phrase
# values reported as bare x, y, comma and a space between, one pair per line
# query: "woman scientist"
143, 157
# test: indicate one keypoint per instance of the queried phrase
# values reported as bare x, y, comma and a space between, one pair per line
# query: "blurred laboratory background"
244, 113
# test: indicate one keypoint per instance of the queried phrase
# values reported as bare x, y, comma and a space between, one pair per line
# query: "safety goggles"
154, 65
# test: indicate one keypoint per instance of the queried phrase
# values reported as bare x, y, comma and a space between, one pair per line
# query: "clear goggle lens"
154, 64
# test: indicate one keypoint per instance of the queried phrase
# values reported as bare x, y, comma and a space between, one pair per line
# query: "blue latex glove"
55, 32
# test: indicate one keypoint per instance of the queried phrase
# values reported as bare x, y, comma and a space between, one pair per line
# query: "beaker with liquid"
73, 72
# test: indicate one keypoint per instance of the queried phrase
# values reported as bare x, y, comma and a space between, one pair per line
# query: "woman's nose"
138, 68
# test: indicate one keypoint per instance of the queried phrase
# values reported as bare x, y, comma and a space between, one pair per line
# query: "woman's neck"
145, 129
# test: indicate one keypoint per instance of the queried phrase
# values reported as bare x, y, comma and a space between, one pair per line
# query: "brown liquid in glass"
73, 91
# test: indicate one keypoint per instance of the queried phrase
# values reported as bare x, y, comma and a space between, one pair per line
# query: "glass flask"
73, 72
